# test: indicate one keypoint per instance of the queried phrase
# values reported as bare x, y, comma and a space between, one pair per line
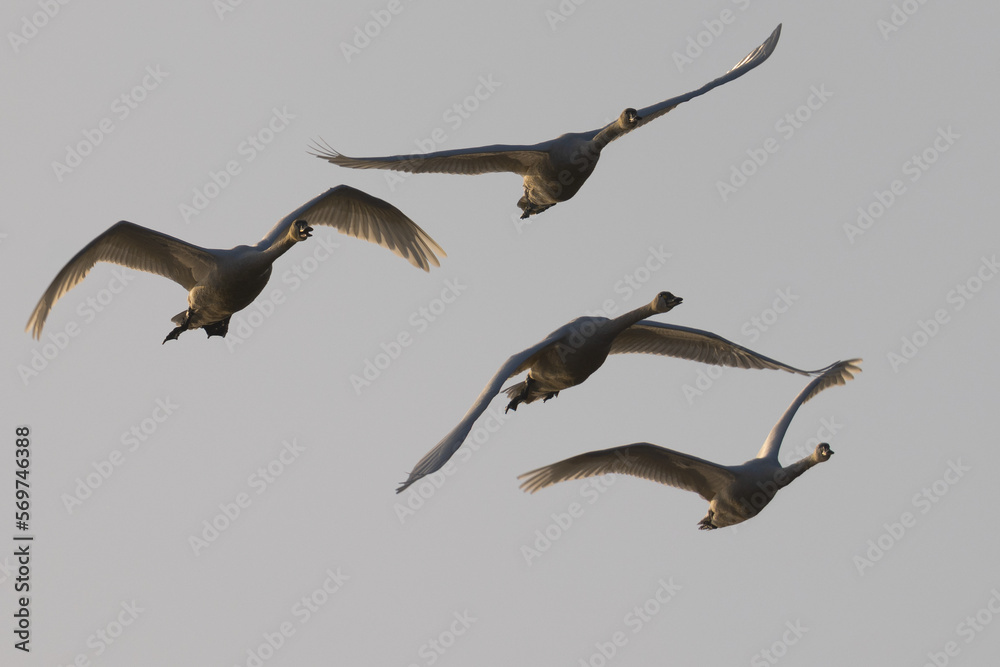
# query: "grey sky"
838, 201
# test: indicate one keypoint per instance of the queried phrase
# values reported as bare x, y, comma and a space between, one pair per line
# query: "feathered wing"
481, 160
672, 340
446, 448
355, 213
640, 459
839, 373
752, 60
135, 247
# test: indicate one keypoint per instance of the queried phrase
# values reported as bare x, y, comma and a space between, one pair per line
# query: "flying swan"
571, 353
222, 282
553, 170
734, 493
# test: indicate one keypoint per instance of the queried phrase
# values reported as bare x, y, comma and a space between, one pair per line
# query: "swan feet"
183, 322
524, 397
519, 393
219, 328
526, 392
530, 208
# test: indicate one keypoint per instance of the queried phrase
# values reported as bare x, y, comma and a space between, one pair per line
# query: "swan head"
629, 118
823, 452
300, 230
665, 301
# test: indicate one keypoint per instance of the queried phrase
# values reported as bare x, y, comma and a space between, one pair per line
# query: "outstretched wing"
355, 213
130, 245
481, 160
444, 450
672, 340
640, 459
838, 373
753, 59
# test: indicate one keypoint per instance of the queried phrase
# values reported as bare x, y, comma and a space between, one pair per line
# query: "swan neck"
637, 315
607, 135
793, 471
278, 248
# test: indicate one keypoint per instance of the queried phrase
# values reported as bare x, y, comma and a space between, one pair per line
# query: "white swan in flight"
571, 353
553, 170
222, 282
734, 493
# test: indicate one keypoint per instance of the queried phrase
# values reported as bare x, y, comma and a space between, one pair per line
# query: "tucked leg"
217, 328
519, 393
183, 322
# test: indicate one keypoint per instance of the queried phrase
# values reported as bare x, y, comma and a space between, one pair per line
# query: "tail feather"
519, 390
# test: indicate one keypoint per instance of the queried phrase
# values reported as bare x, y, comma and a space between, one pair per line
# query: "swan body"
734, 493
571, 353
223, 282
553, 170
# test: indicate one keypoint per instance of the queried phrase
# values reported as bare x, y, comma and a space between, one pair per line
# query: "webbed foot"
183, 322
174, 334
217, 328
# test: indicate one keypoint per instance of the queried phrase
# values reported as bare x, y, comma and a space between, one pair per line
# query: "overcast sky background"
827, 574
